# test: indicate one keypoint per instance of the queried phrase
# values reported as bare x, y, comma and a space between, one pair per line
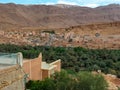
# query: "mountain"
55, 16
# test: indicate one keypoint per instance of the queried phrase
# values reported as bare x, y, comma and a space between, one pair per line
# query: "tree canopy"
73, 58
66, 81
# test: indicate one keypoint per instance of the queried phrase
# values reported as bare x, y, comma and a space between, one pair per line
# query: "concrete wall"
32, 67
26, 67
36, 69
57, 64
45, 74
12, 78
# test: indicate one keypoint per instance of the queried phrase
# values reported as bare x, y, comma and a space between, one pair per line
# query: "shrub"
65, 81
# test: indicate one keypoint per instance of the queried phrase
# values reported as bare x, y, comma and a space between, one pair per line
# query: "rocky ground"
105, 35
112, 80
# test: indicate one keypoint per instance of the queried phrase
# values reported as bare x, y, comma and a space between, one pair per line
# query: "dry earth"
105, 35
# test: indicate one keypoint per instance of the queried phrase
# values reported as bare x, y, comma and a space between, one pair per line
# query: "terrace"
10, 59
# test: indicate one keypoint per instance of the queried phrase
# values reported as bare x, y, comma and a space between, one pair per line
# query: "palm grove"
74, 59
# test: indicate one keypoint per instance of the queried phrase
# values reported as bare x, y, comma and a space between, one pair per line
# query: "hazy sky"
89, 3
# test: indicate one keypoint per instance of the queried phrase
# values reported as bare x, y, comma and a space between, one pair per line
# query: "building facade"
36, 69
16, 71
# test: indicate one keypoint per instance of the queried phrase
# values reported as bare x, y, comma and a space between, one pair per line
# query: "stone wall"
12, 78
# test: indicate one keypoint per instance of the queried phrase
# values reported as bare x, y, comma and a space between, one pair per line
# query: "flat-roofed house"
14, 70
38, 70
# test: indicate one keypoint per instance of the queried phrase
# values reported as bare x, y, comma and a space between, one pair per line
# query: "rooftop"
9, 59
47, 66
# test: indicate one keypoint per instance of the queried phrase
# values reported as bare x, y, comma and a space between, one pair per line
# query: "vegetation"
65, 81
73, 58
49, 31
119, 88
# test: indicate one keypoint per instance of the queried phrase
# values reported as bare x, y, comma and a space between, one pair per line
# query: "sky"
88, 3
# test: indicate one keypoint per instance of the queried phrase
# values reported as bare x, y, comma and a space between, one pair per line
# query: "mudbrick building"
15, 71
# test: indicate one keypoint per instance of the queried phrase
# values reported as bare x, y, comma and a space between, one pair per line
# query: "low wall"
57, 64
12, 78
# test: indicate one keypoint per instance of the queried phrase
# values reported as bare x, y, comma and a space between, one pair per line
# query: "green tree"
88, 81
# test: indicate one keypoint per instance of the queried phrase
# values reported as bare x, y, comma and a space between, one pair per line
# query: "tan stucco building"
38, 70
15, 71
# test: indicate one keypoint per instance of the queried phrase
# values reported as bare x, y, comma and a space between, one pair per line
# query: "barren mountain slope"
56, 16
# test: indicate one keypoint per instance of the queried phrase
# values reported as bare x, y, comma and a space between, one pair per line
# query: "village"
66, 39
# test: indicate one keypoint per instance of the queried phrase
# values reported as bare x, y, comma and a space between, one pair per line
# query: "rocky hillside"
104, 35
55, 16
